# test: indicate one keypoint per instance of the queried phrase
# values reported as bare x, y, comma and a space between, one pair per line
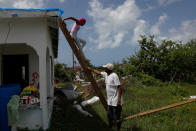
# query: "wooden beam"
159, 109
82, 62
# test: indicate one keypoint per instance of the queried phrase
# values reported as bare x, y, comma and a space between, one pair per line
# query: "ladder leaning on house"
82, 62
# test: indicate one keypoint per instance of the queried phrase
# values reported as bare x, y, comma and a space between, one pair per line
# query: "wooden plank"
159, 109
82, 62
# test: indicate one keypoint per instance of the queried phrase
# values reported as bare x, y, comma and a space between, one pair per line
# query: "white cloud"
28, 4
167, 2
160, 3
155, 28
113, 24
22, 3
62, 1
148, 8
184, 33
140, 29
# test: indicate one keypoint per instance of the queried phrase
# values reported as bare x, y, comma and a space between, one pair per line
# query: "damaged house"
28, 47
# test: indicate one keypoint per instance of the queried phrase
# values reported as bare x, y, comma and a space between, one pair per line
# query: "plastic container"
6, 92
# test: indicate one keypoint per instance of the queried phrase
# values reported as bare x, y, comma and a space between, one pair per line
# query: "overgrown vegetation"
166, 61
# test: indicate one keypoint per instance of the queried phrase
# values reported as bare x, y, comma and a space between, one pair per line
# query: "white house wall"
49, 56
50, 71
30, 31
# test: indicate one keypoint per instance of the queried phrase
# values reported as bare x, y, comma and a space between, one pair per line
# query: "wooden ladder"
82, 62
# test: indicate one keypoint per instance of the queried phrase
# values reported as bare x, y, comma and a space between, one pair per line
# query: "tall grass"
140, 99
137, 98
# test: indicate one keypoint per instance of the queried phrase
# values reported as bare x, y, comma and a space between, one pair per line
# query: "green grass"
136, 100
143, 99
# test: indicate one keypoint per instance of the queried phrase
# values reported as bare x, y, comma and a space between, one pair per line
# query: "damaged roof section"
51, 14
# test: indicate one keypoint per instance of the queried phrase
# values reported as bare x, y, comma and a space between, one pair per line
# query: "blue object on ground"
6, 92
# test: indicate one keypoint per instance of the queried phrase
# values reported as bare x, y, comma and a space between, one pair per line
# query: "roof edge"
34, 9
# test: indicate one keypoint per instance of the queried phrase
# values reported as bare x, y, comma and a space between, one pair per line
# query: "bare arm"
94, 71
71, 18
119, 94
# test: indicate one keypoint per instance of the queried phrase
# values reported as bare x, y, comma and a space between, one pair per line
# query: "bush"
132, 81
140, 80
176, 90
129, 69
148, 80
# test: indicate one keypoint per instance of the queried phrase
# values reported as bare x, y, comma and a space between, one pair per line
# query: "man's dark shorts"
114, 113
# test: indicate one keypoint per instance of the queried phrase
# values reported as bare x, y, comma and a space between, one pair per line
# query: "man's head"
82, 21
108, 68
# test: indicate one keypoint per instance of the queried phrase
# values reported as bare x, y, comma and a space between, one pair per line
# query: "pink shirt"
75, 28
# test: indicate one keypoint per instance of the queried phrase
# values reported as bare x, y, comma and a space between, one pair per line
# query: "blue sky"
113, 26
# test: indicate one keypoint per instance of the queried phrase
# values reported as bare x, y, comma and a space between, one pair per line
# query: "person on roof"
80, 43
114, 94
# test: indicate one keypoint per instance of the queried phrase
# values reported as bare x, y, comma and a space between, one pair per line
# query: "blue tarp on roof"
35, 9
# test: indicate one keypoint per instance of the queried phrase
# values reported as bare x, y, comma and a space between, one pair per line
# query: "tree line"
166, 61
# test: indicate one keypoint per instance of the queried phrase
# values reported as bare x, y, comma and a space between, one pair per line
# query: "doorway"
16, 69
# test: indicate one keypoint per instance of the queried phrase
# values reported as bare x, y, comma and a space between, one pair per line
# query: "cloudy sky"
113, 26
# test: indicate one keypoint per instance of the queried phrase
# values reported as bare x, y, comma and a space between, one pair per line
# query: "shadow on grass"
67, 118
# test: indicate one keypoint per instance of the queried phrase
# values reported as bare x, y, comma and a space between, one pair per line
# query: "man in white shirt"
114, 94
